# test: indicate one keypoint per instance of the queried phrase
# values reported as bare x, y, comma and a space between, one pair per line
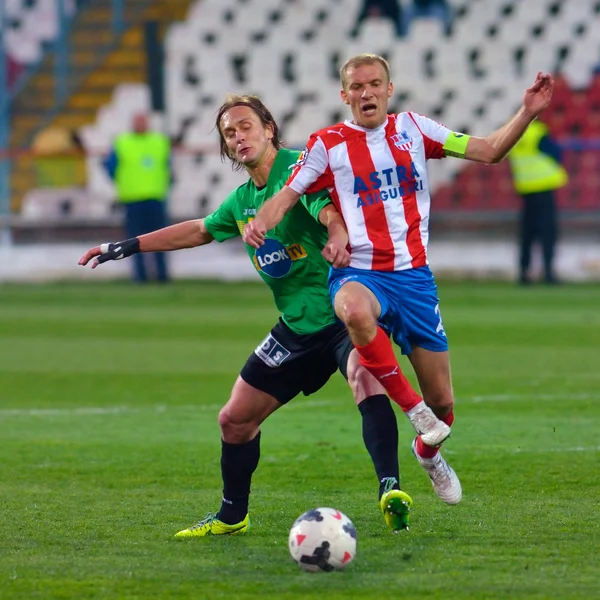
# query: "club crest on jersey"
402, 140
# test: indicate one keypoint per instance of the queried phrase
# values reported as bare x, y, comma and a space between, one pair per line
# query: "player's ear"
344, 97
390, 89
269, 131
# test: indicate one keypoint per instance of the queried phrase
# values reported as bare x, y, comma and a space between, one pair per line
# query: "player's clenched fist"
339, 257
254, 233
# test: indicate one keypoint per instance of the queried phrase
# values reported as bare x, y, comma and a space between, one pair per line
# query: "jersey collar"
352, 125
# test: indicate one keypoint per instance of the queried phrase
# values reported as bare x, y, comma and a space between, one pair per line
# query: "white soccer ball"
323, 539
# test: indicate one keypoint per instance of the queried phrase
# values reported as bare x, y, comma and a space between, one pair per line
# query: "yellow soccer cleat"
210, 525
395, 506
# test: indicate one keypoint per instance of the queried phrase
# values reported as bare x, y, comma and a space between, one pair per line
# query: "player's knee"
235, 430
225, 421
357, 315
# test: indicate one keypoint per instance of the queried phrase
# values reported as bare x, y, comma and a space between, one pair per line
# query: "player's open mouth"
369, 109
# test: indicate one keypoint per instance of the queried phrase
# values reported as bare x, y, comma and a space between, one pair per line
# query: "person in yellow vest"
139, 164
535, 163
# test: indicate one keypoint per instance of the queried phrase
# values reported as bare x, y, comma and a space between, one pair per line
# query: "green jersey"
290, 262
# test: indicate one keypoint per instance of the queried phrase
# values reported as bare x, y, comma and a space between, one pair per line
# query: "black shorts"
287, 363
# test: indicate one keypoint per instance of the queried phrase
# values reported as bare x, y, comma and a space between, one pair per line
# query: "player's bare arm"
493, 148
269, 215
336, 249
188, 234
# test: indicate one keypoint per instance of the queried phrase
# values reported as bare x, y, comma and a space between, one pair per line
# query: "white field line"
121, 410
561, 450
297, 404
544, 450
525, 396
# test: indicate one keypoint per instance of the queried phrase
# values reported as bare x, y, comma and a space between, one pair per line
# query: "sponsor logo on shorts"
440, 326
344, 280
275, 260
271, 352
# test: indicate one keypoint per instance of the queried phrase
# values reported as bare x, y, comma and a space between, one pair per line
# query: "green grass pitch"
109, 444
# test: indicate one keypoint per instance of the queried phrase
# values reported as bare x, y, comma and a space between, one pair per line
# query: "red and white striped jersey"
377, 179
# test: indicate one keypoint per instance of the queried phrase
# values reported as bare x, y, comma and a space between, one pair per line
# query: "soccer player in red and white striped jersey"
374, 167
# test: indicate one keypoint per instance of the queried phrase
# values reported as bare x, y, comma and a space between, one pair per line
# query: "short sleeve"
434, 135
221, 223
315, 203
311, 172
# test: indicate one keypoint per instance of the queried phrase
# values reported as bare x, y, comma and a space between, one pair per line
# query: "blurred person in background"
308, 344
537, 172
59, 160
387, 9
139, 164
375, 169
437, 9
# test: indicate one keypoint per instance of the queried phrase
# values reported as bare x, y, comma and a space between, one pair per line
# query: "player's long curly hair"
264, 114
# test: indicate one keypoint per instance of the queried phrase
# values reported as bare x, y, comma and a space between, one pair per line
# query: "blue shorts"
410, 309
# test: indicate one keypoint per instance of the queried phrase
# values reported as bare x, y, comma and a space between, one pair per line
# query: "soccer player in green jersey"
307, 345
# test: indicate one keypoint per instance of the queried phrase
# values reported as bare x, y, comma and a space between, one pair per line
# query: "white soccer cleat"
432, 431
444, 480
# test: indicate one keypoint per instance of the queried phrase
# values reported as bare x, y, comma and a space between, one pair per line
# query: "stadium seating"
52, 206
288, 52
30, 23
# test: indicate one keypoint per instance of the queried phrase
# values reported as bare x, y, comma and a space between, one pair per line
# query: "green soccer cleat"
395, 506
210, 525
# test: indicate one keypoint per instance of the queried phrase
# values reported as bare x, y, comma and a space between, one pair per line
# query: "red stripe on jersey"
414, 242
433, 149
325, 180
335, 197
374, 213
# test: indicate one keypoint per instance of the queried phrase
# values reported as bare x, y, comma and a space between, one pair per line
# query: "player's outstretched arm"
269, 215
336, 248
494, 147
188, 234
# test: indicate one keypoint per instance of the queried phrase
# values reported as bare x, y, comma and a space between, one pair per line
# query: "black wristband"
130, 246
119, 250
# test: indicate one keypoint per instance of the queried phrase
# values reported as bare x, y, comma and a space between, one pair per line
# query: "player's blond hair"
363, 59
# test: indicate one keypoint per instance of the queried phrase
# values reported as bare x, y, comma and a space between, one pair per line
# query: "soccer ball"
323, 539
